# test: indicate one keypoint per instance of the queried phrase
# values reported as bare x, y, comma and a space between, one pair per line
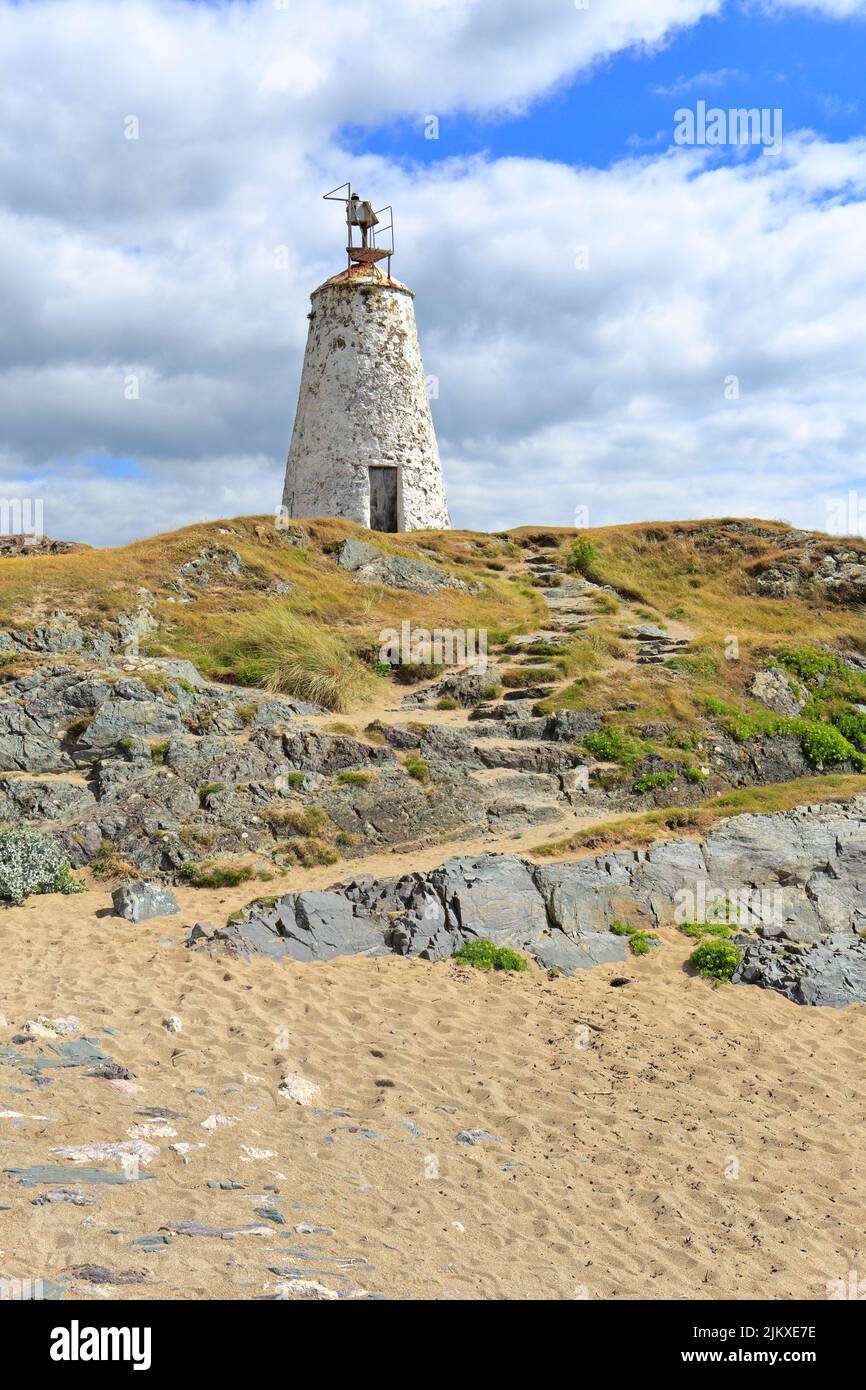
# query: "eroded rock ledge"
798, 878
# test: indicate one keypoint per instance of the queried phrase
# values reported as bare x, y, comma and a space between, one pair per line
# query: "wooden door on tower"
383, 499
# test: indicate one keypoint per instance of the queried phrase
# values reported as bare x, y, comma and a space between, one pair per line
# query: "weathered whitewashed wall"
363, 403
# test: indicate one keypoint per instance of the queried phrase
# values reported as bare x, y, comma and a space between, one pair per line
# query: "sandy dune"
621, 1115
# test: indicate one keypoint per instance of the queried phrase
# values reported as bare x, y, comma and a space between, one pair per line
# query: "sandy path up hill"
617, 1111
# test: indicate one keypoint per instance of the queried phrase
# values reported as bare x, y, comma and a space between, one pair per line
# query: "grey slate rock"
560, 952
351, 554
63, 1194
140, 900
87, 1177
832, 973
493, 897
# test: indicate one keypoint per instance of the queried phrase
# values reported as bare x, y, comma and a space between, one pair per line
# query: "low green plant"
809, 662
447, 702
701, 929
309, 851
215, 875
209, 789
418, 767
852, 725
621, 928
639, 942
717, 960
521, 677
485, 955
355, 779
638, 938
33, 863
612, 745
303, 820
413, 672
824, 743
582, 557
695, 774
651, 780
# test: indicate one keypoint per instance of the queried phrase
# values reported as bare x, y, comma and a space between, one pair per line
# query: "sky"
631, 308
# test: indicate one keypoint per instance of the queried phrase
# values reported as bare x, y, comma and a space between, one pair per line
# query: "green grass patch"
650, 781
418, 767
355, 779
215, 875
701, 929
612, 745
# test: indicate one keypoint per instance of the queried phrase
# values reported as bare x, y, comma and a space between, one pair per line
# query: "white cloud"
558, 387
836, 9
700, 82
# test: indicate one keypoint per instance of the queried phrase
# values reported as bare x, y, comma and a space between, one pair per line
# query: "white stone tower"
363, 445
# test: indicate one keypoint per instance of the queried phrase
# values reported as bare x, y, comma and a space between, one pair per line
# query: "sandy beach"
659, 1139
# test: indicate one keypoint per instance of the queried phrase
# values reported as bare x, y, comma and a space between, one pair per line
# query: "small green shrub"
33, 863
823, 743
639, 942
418, 767
447, 702
650, 780
809, 662
382, 668
852, 725
612, 745
581, 558
638, 939
158, 753
717, 960
209, 789
485, 955
215, 875
355, 779
694, 774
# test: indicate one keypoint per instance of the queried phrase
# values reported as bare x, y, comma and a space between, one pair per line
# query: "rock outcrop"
793, 886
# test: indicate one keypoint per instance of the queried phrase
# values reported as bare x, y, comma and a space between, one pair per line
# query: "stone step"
529, 639
536, 692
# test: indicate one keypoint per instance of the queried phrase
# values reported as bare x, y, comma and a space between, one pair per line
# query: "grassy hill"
289, 593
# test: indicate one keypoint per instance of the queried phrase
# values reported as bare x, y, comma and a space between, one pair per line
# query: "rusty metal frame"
332, 197
382, 230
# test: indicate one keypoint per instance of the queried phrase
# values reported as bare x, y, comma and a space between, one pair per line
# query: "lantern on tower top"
361, 214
